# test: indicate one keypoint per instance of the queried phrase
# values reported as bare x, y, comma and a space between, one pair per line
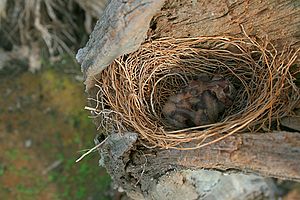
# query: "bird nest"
129, 94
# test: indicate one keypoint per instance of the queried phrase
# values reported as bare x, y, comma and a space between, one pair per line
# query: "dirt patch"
43, 123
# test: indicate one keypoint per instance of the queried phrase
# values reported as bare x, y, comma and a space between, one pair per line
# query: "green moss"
57, 104
24, 171
4, 191
104, 182
52, 176
12, 154
66, 192
62, 92
27, 190
81, 192
2, 169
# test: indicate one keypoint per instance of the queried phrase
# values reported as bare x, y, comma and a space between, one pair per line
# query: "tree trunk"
143, 172
278, 20
160, 173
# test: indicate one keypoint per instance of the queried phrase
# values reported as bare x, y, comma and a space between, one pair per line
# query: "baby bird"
202, 102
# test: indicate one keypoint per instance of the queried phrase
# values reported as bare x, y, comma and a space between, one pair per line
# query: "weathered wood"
121, 29
124, 25
212, 185
269, 154
278, 20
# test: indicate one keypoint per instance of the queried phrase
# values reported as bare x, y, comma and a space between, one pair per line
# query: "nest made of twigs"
130, 93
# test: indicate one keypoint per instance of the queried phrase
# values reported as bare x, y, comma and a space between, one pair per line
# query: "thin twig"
91, 150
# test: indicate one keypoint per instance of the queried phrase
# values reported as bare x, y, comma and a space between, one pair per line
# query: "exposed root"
50, 23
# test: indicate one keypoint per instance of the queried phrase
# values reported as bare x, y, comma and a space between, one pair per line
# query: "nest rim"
128, 79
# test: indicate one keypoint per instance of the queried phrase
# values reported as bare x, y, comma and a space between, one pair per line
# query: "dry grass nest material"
130, 93
55, 24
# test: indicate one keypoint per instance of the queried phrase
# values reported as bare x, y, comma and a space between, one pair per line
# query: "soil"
43, 126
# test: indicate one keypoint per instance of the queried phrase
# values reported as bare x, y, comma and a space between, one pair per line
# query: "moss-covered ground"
43, 126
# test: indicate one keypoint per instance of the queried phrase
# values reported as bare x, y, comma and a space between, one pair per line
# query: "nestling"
202, 102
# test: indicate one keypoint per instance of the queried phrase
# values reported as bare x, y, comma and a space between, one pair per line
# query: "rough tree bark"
142, 172
160, 173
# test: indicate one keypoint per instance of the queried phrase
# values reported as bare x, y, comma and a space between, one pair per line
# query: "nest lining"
130, 93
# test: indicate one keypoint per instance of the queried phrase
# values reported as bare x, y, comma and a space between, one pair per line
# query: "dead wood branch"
268, 154
121, 30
